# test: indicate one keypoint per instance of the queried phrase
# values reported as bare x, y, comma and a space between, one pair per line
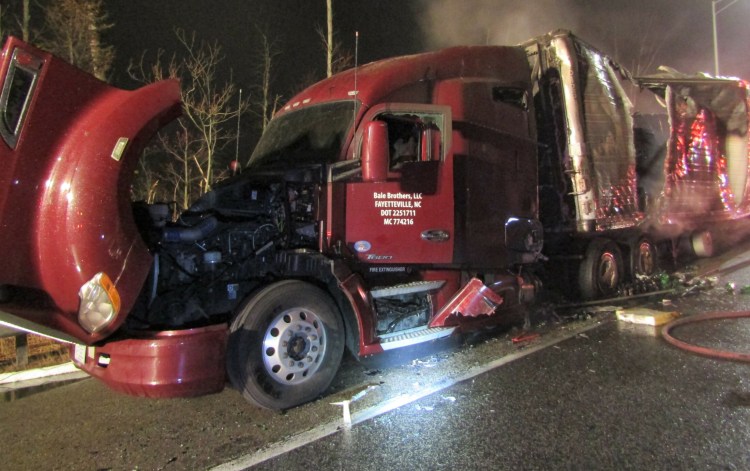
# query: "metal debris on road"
345, 405
525, 337
641, 315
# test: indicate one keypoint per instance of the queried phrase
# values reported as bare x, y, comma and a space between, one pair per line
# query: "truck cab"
393, 204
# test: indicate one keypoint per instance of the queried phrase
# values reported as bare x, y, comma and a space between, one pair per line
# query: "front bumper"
172, 363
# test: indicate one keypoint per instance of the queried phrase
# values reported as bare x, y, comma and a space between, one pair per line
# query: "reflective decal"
397, 209
119, 149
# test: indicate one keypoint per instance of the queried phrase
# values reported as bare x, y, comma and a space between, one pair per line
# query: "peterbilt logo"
379, 257
362, 246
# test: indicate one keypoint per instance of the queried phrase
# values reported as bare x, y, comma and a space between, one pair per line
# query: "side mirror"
375, 154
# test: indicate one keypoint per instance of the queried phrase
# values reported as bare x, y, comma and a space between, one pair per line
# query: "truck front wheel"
285, 345
601, 270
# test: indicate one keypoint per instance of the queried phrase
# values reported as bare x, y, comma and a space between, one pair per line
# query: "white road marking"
277, 449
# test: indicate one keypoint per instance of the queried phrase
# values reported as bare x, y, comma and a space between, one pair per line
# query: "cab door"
403, 212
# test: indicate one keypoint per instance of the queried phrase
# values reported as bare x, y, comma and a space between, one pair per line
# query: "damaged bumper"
173, 363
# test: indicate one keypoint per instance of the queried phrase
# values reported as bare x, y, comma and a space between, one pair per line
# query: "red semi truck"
389, 205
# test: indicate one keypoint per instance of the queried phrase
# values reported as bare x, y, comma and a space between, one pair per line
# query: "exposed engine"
401, 312
220, 249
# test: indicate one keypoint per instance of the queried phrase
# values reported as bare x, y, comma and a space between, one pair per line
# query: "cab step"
414, 336
407, 288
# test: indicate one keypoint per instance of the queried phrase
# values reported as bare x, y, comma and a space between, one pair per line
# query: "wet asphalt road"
613, 397
616, 397
587, 394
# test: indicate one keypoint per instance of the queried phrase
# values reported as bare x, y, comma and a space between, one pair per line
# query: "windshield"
311, 135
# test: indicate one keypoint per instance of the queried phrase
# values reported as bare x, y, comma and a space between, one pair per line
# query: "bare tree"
145, 186
266, 105
22, 23
208, 104
337, 57
73, 32
184, 149
209, 109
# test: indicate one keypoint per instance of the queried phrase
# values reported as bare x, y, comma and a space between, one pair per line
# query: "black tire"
644, 259
285, 345
601, 270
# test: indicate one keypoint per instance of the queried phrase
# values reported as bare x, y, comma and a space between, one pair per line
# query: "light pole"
714, 11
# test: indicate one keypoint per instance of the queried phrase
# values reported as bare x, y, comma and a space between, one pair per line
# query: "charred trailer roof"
587, 158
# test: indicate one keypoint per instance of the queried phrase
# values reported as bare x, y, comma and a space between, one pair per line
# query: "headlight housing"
100, 303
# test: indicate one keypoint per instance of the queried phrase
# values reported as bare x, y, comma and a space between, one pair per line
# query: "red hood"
65, 211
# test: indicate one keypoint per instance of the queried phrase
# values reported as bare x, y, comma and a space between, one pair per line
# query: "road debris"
642, 315
345, 405
431, 407
525, 337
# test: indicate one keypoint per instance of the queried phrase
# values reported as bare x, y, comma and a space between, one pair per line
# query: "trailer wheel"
285, 345
601, 270
644, 258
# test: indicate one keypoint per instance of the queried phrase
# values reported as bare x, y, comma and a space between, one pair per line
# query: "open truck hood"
69, 145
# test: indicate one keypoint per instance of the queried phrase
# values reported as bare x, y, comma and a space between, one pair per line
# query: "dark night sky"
679, 29
387, 27
671, 32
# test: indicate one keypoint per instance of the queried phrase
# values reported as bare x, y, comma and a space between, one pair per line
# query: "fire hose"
701, 350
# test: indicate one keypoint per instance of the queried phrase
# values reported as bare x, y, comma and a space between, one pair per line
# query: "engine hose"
700, 350
190, 234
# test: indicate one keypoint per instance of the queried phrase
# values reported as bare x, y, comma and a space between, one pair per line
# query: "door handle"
435, 235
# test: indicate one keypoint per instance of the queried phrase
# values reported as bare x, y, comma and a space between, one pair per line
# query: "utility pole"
714, 13
25, 35
329, 42
237, 139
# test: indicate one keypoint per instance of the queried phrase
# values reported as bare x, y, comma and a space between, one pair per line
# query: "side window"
412, 137
18, 87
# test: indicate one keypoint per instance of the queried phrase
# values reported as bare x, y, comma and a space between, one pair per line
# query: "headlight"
100, 303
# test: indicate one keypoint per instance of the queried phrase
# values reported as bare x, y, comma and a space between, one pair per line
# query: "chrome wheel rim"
294, 346
608, 276
646, 263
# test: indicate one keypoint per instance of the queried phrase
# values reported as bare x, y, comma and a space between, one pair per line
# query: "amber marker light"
100, 303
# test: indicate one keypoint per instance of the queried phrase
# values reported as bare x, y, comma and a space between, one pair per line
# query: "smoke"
640, 34
490, 22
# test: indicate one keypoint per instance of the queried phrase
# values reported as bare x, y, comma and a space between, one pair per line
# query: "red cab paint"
65, 210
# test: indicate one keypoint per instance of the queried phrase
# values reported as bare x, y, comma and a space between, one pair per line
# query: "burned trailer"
632, 171
697, 183
588, 193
